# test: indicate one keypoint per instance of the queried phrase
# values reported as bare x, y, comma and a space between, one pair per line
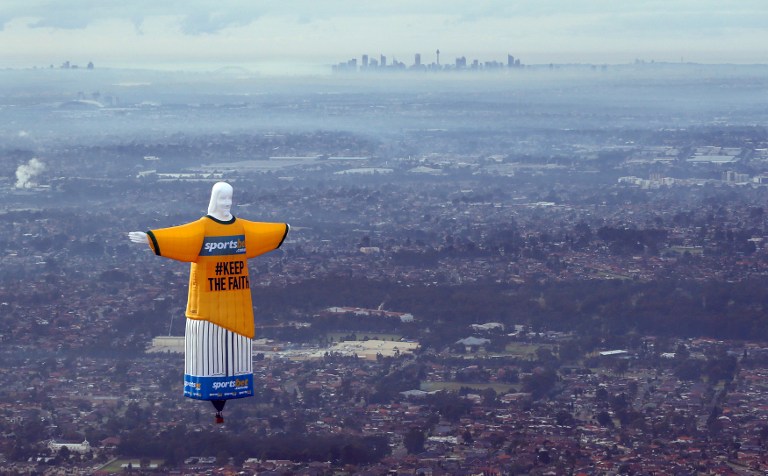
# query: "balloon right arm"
138, 237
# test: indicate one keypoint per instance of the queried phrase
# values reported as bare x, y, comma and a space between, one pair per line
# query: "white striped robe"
218, 363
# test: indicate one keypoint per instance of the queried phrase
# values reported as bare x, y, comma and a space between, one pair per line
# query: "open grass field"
456, 386
339, 336
518, 350
524, 350
117, 466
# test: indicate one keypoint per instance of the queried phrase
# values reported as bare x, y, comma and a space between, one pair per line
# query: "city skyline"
206, 35
419, 63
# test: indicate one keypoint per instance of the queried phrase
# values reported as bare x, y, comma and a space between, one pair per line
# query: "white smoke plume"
26, 173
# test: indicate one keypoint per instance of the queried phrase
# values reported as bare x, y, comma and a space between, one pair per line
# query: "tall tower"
417, 60
438, 56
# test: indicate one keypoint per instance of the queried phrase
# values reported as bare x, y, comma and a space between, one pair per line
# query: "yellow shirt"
219, 288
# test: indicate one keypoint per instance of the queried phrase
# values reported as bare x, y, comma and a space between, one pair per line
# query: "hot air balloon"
218, 364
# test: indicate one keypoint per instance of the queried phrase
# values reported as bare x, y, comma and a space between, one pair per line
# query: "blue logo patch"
223, 245
214, 388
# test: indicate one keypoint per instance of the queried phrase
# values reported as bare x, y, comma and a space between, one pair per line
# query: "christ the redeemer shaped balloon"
218, 362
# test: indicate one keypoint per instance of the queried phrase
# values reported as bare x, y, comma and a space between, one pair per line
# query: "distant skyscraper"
383, 61
510, 61
365, 61
417, 60
438, 57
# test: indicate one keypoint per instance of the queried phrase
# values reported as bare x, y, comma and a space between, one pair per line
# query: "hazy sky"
119, 33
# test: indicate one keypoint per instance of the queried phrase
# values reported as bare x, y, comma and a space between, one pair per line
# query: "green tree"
63, 455
489, 397
540, 383
564, 418
689, 370
604, 418
414, 441
222, 458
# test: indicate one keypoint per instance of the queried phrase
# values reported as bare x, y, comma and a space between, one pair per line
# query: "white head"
221, 201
